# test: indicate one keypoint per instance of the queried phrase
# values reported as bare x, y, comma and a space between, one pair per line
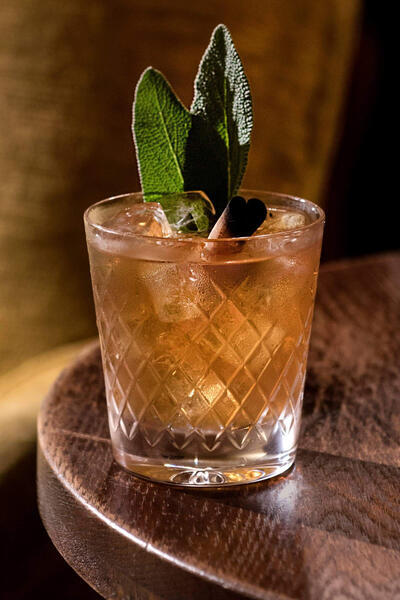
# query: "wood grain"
329, 529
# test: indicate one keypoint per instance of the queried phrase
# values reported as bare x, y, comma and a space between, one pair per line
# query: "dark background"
361, 199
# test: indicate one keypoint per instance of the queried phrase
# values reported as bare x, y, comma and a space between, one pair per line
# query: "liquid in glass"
204, 344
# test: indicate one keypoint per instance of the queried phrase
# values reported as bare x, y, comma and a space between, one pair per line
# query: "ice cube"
145, 218
282, 221
172, 291
188, 212
292, 220
180, 291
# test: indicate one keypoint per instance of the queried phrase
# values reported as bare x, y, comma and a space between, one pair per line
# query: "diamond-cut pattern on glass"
253, 383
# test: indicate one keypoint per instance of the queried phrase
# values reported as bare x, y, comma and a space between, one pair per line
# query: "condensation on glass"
204, 343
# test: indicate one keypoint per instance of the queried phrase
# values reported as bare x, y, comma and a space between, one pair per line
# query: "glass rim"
205, 240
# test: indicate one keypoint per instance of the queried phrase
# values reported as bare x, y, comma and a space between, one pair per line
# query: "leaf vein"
175, 158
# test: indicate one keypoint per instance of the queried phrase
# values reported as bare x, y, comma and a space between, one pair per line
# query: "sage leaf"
223, 100
205, 148
161, 127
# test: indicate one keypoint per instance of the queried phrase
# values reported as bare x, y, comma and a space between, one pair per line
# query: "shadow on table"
33, 566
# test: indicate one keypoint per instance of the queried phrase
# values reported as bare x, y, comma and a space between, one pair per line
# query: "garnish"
240, 218
223, 100
205, 148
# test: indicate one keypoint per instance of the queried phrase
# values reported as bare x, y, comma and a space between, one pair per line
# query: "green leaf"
204, 149
161, 127
223, 101
206, 166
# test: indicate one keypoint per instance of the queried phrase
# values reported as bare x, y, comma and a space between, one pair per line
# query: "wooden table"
328, 530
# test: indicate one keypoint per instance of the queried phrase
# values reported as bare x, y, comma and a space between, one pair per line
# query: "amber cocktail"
204, 342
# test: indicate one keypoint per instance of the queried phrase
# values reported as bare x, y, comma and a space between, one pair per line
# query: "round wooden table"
328, 530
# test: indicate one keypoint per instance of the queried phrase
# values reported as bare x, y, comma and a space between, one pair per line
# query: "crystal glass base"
187, 474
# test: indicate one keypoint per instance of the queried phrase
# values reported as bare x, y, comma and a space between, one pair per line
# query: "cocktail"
204, 315
204, 342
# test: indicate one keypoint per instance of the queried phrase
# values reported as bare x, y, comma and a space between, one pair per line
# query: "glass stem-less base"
192, 475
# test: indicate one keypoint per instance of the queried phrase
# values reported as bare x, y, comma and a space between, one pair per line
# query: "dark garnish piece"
240, 218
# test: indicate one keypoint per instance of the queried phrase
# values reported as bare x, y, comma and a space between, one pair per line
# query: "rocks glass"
204, 342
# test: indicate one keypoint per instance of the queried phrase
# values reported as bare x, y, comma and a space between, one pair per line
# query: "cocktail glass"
204, 342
